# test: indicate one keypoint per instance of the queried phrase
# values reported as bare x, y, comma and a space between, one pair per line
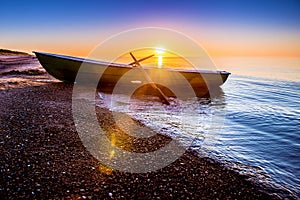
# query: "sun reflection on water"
159, 52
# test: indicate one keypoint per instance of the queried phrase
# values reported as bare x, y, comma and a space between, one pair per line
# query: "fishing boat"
66, 68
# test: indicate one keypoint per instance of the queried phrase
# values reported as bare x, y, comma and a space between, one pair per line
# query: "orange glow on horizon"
164, 59
218, 43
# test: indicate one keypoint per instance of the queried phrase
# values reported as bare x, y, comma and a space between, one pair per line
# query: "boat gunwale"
111, 64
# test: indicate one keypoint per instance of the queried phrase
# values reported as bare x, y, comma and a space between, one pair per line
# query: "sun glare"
159, 61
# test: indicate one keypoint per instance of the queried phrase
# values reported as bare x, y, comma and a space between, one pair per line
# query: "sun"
160, 50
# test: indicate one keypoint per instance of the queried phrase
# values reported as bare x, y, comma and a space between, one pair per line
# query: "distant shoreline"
7, 52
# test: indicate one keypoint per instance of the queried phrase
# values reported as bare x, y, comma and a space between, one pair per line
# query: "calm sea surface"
262, 128
253, 126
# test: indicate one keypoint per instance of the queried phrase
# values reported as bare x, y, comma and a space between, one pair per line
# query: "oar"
142, 59
161, 95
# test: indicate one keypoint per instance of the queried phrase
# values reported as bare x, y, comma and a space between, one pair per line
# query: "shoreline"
43, 157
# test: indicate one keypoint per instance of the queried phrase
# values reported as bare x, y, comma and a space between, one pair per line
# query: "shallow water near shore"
252, 127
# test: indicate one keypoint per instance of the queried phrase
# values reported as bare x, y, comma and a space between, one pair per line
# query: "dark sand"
42, 156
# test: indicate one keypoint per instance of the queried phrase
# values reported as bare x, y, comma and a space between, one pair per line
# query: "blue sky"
34, 24
284, 13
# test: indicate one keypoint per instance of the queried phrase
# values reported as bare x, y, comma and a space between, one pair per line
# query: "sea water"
262, 128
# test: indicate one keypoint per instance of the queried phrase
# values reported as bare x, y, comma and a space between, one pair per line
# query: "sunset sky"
224, 28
